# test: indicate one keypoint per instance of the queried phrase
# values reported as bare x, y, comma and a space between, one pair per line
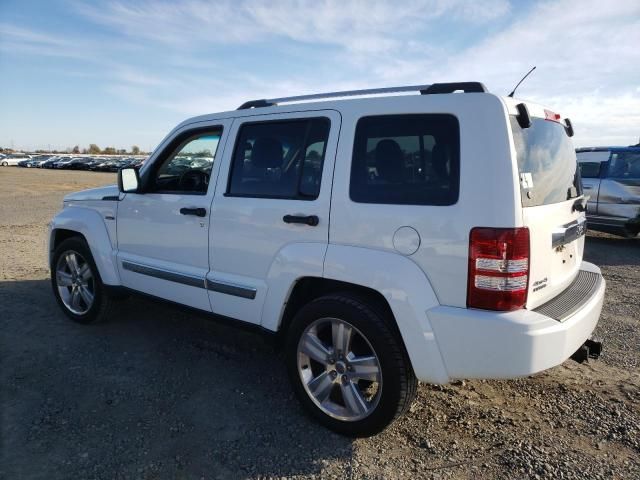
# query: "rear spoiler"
524, 119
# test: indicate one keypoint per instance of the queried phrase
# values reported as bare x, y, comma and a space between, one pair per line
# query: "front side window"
625, 165
406, 160
279, 159
188, 168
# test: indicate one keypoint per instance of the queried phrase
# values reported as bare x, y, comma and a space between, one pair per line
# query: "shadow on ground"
608, 250
154, 393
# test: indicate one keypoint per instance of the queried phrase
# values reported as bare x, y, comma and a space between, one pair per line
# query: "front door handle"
311, 220
198, 212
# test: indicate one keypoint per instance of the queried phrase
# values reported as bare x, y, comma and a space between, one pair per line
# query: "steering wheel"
193, 181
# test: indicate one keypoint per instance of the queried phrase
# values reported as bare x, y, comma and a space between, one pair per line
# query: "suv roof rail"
466, 87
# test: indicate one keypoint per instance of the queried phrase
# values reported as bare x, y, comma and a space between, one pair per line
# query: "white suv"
388, 239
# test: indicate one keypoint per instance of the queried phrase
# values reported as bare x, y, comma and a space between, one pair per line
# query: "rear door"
273, 196
552, 201
592, 166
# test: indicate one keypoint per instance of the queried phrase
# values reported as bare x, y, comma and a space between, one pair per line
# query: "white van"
387, 239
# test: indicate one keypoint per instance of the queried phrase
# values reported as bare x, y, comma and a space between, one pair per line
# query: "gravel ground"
156, 393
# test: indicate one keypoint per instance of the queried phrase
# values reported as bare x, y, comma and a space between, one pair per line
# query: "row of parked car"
99, 164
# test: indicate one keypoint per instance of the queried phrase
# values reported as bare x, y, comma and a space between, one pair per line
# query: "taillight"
498, 268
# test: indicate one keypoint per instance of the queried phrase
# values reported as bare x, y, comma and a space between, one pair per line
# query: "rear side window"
625, 165
406, 160
589, 169
547, 163
279, 159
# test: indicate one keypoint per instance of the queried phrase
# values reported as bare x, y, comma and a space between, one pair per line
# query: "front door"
163, 232
271, 207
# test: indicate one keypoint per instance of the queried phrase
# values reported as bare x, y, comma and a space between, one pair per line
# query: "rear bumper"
483, 344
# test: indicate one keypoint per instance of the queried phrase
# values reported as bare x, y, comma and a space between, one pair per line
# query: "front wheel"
76, 282
5, 164
348, 366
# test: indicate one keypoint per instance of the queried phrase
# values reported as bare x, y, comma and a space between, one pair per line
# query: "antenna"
523, 78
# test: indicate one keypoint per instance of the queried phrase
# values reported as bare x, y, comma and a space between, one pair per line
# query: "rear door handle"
198, 212
311, 220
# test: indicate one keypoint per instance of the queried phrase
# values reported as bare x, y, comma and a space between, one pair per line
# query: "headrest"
440, 157
267, 153
389, 160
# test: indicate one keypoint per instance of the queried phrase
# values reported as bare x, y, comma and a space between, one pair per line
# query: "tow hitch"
590, 349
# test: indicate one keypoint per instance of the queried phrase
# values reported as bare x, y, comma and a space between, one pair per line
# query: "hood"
99, 193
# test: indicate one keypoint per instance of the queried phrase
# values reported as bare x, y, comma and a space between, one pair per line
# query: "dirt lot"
156, 393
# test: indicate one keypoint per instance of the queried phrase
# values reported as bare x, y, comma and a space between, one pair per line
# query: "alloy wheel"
75, 282
339, 369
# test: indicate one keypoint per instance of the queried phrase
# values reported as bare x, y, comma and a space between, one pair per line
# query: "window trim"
458, 166
227, 192
176, 143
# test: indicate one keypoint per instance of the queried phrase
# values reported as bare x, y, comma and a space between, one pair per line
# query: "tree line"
92, 150
96, 150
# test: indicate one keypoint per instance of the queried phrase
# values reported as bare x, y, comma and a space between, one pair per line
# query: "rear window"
406, 160
547, 163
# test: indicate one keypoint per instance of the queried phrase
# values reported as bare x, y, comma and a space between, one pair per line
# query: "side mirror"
128, 180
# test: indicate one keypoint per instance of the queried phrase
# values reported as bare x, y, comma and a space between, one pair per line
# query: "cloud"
360, 26
587, 58
197, 56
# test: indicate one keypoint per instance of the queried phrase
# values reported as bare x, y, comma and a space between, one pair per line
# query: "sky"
125, 72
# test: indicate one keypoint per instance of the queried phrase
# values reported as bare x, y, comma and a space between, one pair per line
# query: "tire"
380, 396
5, 164
79, 310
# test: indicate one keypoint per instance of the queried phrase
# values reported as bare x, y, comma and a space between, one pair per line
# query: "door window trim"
455, 173
176, 143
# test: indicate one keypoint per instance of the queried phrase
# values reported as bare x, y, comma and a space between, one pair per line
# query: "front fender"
408, 292
91, 225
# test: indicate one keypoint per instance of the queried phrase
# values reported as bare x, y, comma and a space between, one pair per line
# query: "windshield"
547, 164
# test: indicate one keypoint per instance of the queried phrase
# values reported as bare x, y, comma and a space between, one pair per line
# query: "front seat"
267, 153
389, 161
440, 163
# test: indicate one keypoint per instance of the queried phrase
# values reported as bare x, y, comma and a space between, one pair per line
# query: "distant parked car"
50, 163
611, 177
77, 163
34, 162
106, 166
40, 161
25, 163
14, 159
63, 162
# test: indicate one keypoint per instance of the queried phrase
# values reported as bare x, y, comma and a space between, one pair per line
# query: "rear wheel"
76, 282
347, 365
5, 164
